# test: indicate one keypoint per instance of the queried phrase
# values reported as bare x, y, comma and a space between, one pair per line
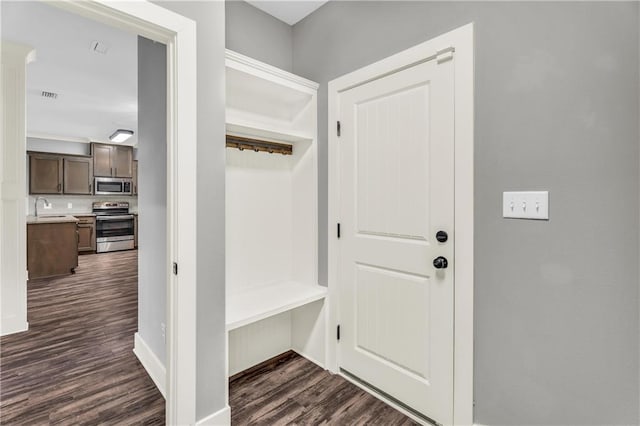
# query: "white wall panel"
257, 342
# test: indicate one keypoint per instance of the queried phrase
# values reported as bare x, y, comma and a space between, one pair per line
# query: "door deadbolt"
442, 236
440, 262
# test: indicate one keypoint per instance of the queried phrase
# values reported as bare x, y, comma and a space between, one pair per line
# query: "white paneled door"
396, 278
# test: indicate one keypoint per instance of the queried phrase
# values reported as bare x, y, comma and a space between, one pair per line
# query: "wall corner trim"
220, 417
155, 368
13, 325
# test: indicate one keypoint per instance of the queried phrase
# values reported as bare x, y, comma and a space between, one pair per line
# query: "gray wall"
210, 310
259, 35
152, 200
556, 308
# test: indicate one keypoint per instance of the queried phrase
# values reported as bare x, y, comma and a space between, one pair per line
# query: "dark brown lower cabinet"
52, 249
86, 234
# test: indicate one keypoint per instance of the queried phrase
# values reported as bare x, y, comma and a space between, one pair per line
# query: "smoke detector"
49, 95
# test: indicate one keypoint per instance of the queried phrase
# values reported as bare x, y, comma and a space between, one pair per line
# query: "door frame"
178, 33
462, 42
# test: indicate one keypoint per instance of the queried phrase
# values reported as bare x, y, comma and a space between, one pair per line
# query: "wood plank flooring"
75, 365
295, 391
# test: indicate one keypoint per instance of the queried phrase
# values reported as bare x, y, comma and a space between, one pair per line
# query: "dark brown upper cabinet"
78, 175
112, 160
45, 174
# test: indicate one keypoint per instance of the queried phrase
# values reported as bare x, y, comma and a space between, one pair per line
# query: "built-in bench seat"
259, 302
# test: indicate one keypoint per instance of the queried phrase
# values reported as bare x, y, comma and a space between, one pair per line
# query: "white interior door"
397, 192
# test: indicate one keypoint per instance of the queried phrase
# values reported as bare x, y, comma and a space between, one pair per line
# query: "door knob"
440, 262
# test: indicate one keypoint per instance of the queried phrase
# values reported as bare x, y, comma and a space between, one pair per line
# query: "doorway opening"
102, 233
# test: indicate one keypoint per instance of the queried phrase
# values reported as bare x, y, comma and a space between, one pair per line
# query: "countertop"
32, 220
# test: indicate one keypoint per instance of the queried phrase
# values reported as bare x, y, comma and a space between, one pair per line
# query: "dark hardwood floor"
295, 391
75, 365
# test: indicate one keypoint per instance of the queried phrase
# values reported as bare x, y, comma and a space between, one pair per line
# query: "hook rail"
258, 145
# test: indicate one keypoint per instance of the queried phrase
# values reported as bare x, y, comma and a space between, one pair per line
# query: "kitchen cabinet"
86, 234
78, 175
52, 247
112, 160
45, 174
135, 177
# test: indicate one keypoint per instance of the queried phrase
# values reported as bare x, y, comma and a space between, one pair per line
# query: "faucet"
35, 205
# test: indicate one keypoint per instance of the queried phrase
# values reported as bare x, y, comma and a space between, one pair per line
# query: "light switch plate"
69, 205
526, 205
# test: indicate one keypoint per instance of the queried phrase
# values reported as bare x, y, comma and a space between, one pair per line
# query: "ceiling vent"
49, 95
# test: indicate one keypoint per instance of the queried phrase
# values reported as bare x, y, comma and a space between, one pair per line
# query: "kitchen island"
52, 245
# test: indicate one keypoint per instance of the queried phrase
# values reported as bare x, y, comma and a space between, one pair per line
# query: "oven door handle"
107, 217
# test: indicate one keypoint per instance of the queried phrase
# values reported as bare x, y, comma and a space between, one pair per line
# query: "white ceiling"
290, 11
97, 93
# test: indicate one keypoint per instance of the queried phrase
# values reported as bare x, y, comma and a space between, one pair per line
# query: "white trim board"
462, 42
178, 33
13, 183
150, 362
221, 417
268, 72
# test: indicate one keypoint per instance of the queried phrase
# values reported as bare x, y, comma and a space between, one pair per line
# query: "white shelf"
267, 133
260, 302
264, 71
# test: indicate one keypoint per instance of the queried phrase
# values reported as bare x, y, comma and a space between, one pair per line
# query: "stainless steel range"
114, 226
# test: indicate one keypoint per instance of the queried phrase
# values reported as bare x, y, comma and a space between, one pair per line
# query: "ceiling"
288, 11
97, 92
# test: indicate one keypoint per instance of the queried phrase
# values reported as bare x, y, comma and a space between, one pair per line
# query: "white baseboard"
309, 358
151, 363
219, 418
13, 325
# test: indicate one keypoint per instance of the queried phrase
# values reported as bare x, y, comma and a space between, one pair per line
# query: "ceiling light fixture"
121, 135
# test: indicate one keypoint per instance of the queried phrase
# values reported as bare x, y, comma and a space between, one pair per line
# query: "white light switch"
526, 205
69, 205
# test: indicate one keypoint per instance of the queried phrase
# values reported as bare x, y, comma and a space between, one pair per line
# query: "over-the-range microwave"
112, 186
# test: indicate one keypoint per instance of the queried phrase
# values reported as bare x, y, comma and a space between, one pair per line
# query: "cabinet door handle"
59, 187
111, 172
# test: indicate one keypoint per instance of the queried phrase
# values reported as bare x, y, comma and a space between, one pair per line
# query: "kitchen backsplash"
79, 204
